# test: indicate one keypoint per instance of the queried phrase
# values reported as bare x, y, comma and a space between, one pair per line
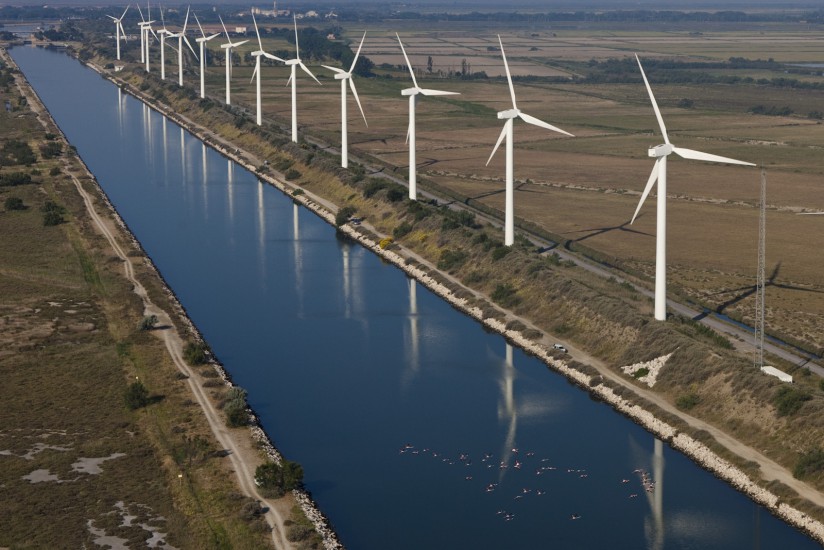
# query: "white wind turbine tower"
163, 32
294, 63
148, 29
142, 26
256, 73
181, 38
510, 115
118, 29
659, 172
410, 136
228, 47
202, 41
345, 76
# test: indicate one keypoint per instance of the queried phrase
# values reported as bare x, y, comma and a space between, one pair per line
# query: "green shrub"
789, 400
809, 463
402, 230
14, 179
385, 243
16, 152
51, 149
640, 373
451, 259
148, 322
292, 174
454, 219
506, 295
136, 396
276, 479
395, 194
297, 192
55, 171
418, 210
235, 407
500, 251
343, 215
14, 203
52, 218
687, 401
196, 353
373, 186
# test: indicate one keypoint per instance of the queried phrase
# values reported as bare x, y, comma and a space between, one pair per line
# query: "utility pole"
759, 288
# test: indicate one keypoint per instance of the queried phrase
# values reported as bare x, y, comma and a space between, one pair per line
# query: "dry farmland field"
586, 188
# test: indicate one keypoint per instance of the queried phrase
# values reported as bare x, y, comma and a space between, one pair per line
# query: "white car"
560, 347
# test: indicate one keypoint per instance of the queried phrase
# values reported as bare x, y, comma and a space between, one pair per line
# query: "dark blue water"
401, 410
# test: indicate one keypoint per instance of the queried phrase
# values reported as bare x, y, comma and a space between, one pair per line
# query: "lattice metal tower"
759, 288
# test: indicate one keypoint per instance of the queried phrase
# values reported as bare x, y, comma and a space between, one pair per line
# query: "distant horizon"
485, 5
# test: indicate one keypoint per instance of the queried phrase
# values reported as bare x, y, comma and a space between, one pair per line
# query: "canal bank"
693, 448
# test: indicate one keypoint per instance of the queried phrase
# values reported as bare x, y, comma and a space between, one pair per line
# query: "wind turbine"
345, 76
202, 41
659, 172
118, 29
410, 136
228, 47
510, 115
256, 73
142, 25
148, 29
294, 63
181, 37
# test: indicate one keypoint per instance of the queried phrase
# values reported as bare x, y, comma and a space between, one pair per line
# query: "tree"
275, 479
429, 64
136, 396
14, 203
148, 322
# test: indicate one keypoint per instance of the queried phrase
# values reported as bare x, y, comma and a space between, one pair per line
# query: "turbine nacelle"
411, 91
509, 113
661, 150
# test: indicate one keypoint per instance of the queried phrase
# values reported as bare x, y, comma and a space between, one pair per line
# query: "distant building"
331, 36
311, 13
240, 30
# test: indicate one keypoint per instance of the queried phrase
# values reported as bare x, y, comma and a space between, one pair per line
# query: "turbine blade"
437, 92
224, 29
654, 104
122, 31
500, 140
508, 75
334, 69
124, 12
272, 57
355, 61
698, 155
653, 177
186, 40
260, 44
408, 131
307, 71
115, 19
254, 72
202, 34
140, 12
529, 119
408, 64
213, 36
297, 46
185, 21
357, 100
291, 76
242, 42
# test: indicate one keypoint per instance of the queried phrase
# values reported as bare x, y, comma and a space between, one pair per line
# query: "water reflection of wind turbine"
183, 153
165, 151
261, 234
230, 178
508, 409
654, 526
298, 257
205, 180
347, 283
120, 109
413, 341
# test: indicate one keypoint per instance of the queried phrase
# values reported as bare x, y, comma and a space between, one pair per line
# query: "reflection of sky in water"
345, 364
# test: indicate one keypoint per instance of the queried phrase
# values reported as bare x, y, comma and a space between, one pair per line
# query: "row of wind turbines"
659, 152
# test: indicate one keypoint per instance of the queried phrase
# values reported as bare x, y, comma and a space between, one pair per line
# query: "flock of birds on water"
525, 462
